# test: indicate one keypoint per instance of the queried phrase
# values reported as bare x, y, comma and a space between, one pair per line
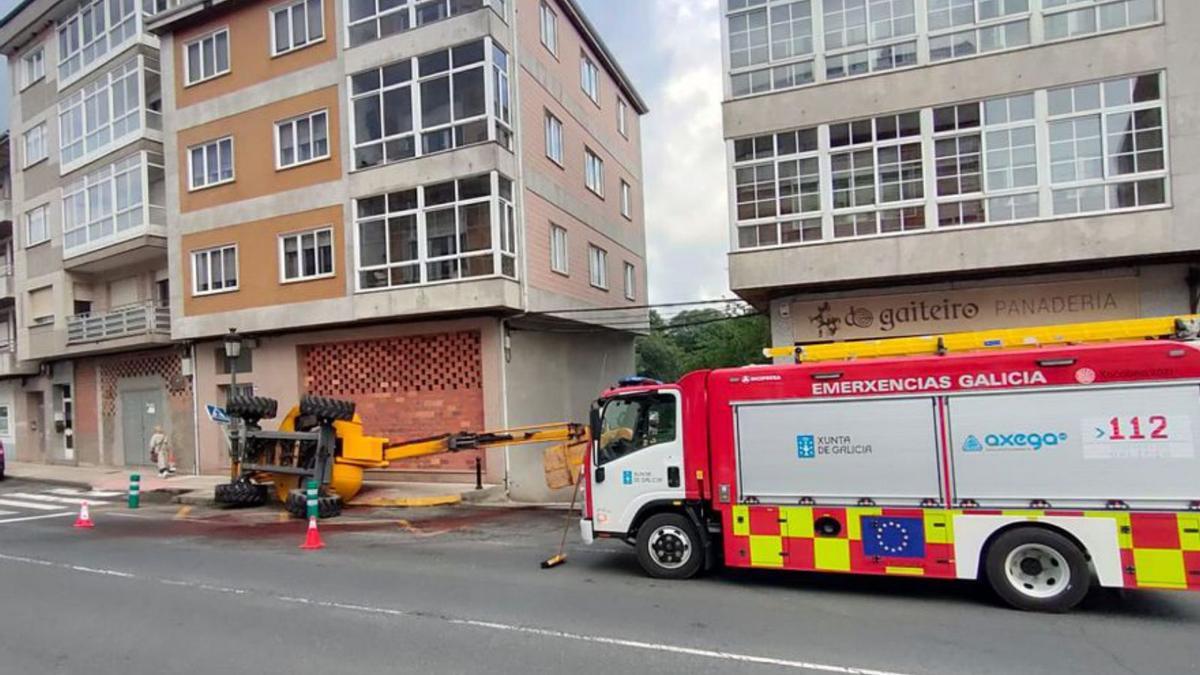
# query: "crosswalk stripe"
29, 505
41, 517
74, 501
7, 513
71, 492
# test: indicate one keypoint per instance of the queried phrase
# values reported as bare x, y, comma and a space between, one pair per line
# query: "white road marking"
73, 501
41, 517
7, 513
72, 492
488, 625
36, 506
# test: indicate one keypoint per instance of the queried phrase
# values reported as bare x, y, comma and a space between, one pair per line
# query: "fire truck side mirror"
599, 474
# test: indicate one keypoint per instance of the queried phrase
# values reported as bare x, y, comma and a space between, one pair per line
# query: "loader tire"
252, 408
669, 547
327, 409
240, 494
328, 505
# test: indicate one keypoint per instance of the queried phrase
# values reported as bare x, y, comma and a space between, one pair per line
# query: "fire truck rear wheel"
1038, 570
669, 547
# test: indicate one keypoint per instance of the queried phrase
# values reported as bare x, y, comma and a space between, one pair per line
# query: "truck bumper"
585, 531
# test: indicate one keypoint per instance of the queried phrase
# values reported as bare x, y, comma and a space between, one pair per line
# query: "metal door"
141, 411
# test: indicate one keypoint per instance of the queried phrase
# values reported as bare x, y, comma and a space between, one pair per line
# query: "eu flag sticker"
806, 447
887, 537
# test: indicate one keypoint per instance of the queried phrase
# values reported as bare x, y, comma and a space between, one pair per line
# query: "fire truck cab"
1038, 469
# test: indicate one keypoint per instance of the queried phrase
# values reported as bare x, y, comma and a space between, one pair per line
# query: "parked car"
1, 460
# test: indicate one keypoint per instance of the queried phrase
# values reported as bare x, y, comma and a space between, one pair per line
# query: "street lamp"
233, 349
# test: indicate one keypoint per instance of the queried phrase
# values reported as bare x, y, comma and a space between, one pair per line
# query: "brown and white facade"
906, 167
374, 194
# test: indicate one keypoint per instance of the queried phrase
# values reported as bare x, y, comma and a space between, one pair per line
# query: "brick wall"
406, 387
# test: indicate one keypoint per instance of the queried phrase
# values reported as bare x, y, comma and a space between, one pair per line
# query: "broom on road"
561, 557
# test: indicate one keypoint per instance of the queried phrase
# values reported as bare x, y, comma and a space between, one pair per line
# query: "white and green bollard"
313, 511
135, 490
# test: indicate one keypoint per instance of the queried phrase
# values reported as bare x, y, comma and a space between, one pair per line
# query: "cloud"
686, 191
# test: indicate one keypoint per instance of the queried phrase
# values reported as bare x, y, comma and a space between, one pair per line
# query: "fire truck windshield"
632, 423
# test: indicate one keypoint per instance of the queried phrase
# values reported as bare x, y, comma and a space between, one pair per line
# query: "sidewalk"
199, 489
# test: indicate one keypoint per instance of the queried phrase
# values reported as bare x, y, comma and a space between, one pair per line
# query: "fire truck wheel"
668, 547
1038, 570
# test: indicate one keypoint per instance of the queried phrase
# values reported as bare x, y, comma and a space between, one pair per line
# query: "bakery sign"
964, 310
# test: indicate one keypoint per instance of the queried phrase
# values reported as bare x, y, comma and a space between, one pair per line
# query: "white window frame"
203, 148
5, 429
560, 250
597, 267
110, 204
293, 122
626, 200
630, 282
290, 9
589, 77
217, 71
75, 58
208, 254
548, 27
43, 211
299, 237
35, 134
622, 117
593, 172
554, 139
33, 67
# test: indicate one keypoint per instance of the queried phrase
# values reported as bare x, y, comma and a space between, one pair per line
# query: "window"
296, 25
589, 77
211, 163
110, 202
101, 115
214, 270
622, 117
306, 255
301, 140
598, 267
869, 30
429, 104
35, 145
549, 27
99, 28
559, 254
33, 67
961, 28
626, 200
633, 423
1062, 21
593, 169
41, 306
244, 363
1093, 147
630, 282
370, 20
440, 232
5, 430
554, 139
207, 57
781, 34
37, 230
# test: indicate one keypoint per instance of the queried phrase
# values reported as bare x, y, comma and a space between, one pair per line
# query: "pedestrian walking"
160, 453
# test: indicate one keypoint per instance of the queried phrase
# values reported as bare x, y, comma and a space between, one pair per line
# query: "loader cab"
636, 456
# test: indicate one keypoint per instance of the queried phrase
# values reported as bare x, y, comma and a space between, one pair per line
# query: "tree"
701, 339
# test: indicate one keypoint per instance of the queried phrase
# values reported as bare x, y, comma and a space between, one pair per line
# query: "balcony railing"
132, 320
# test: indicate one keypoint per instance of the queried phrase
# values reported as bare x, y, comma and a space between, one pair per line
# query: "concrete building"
91, 326
901, 167
391, 199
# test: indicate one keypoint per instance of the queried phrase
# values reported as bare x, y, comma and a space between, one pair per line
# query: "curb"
61, 482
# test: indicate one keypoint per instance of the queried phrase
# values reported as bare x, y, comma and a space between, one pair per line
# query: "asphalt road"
458, 590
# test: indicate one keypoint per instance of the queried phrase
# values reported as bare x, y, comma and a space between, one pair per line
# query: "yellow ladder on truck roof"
1181, 327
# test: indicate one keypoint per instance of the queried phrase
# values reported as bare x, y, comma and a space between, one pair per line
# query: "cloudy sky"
672, 51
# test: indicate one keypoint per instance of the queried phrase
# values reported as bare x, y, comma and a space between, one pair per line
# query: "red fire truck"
1039, 460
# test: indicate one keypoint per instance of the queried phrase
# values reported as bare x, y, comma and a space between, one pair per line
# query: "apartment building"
91, 326
902, 167
391, 200
11, 369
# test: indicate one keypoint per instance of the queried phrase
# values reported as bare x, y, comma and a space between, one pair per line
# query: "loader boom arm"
567, 433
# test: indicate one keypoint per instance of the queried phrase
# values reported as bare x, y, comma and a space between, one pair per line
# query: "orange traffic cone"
84, 520
312, 540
